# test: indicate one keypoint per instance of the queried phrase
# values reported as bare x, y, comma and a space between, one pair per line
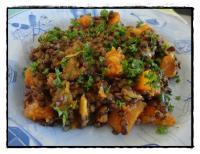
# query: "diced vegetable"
35, 112
132, 67
114, 17
72, 71
169, 66
113, 62
83, 110
139, 30
149, 82
85, 20
131, 113
149, 116
101, 92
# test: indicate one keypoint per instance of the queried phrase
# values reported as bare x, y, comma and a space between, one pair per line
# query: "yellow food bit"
113, 62
83, 110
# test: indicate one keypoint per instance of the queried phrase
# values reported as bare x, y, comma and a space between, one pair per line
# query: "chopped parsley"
177, 78
165, 98
80, 79
153, 65
132, 67
34, 65
100, 28
119, 103
178, 98
134, 40
119, 28
162, 130
133, 49
75, 23
86, 82
57, 82
153, 38
89, 83
153, 79
104, 14
170, 107
46, 71
101, 60
64, 62
51, 36
63, 114
71, 34
87, 54
107, 89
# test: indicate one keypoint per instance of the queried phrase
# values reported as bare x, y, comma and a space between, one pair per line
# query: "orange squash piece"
28, 77
169, 66
131, 113
114, 18
139, 30
113, 62
143, 86
35, 112
85, 20
149, 116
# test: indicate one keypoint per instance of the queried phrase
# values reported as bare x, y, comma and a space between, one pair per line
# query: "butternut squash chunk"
129, 115
114, 18
35, 112
144, 86
85, 20
113, 62
169, 65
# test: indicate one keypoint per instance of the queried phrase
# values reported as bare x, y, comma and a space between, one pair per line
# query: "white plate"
23, 31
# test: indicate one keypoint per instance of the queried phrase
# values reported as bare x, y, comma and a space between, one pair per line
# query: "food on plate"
100, 72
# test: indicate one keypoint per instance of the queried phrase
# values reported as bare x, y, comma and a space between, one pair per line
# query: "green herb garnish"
101, 60
51, 36
153, 79
107, 89
75, 23
170, 107
104, 14
57, 82
86, 82
89, 83
34, 65
133, 49
119, 103
178, 98
46, 71
87, 54
80, 79
162, 130
177, 78
64, 62
153, 65
132, 67
100, 28
71, 34
63, 114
